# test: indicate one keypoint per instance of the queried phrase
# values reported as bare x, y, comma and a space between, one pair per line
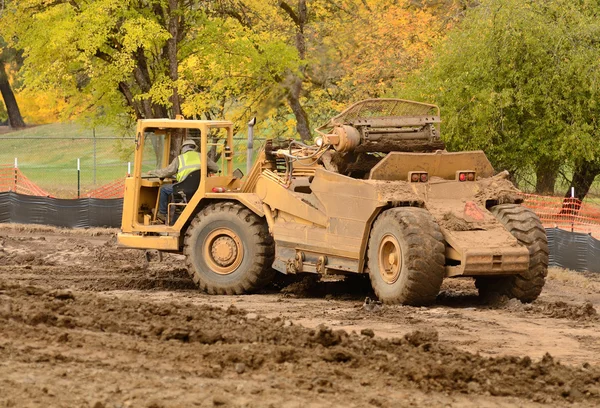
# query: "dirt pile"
583, 312
67, 318
499, 189
563, 310
453, 223
350, 287
232, 340
91, 261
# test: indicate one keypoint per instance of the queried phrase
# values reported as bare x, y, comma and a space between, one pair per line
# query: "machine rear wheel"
229, 250
406, 256
529, 231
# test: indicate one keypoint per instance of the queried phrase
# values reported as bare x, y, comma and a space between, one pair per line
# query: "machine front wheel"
229, 250
406, 256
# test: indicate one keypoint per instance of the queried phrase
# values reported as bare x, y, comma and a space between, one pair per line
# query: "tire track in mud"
100, 337
89, 263
214, 343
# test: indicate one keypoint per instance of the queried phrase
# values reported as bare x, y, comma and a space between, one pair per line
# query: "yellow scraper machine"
375, 194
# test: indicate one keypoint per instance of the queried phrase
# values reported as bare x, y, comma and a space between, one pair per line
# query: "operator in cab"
181, 166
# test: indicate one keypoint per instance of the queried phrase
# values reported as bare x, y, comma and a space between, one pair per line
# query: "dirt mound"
454, 223
50, 230
563, 310
499, 189
298, 286
88, 260
67, 317
558, 309
232, 340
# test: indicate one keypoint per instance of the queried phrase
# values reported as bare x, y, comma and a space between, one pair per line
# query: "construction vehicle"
375, 194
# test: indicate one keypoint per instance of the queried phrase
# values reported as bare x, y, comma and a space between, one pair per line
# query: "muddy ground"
84, 323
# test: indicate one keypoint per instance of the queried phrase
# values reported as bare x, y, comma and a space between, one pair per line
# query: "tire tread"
425, 259
524, 225
260, 271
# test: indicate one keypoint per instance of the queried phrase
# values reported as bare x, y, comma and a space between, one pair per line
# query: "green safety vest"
188, 162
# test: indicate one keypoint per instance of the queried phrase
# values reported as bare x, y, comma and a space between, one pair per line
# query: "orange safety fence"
569, 214
116, 189
12, 179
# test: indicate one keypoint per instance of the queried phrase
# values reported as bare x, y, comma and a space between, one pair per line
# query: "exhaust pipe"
249, 153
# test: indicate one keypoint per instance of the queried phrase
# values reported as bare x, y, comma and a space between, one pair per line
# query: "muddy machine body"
376, 194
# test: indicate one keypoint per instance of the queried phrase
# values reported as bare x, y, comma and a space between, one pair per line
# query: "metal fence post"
78, 179
16, 174
94, 134
250, 146
573, 204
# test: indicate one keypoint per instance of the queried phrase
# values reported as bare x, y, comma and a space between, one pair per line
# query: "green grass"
51, 162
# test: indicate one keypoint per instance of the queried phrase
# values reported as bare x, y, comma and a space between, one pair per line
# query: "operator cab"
152, 151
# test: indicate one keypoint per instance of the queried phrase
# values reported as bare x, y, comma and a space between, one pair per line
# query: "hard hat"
189, 145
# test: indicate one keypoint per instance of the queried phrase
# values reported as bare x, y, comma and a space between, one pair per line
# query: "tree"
292, 62
287, 22
294, 87
347, 49
8, 55
234, 70
121, 55
519, 79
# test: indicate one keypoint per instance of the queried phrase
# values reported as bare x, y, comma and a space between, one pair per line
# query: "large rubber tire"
415, 275
524, 225
242, 233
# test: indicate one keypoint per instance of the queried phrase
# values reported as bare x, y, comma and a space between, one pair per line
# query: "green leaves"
519, 80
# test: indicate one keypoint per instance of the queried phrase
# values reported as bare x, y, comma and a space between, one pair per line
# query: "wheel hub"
223, 251
389, 258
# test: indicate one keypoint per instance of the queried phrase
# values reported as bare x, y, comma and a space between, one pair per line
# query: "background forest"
516, 78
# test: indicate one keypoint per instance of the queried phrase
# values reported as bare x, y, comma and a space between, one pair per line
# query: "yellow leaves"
290, 124
354, 49
387, 40
40, 107
161, 91
142, 32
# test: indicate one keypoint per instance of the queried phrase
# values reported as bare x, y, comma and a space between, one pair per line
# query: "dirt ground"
84, 323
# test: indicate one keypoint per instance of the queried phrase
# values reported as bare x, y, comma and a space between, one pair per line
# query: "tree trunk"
126, 92
300, 18
176, 142
174, 27
142, 78
583, 177
172, 53
15, 120
546, 173
293, 98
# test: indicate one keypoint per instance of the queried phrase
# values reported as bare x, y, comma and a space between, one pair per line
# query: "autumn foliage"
278, 60
516, 78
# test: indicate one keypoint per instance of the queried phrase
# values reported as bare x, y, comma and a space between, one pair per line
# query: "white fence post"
78, 178
15, 177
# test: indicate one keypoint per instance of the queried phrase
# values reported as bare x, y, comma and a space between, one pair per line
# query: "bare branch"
286, 7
